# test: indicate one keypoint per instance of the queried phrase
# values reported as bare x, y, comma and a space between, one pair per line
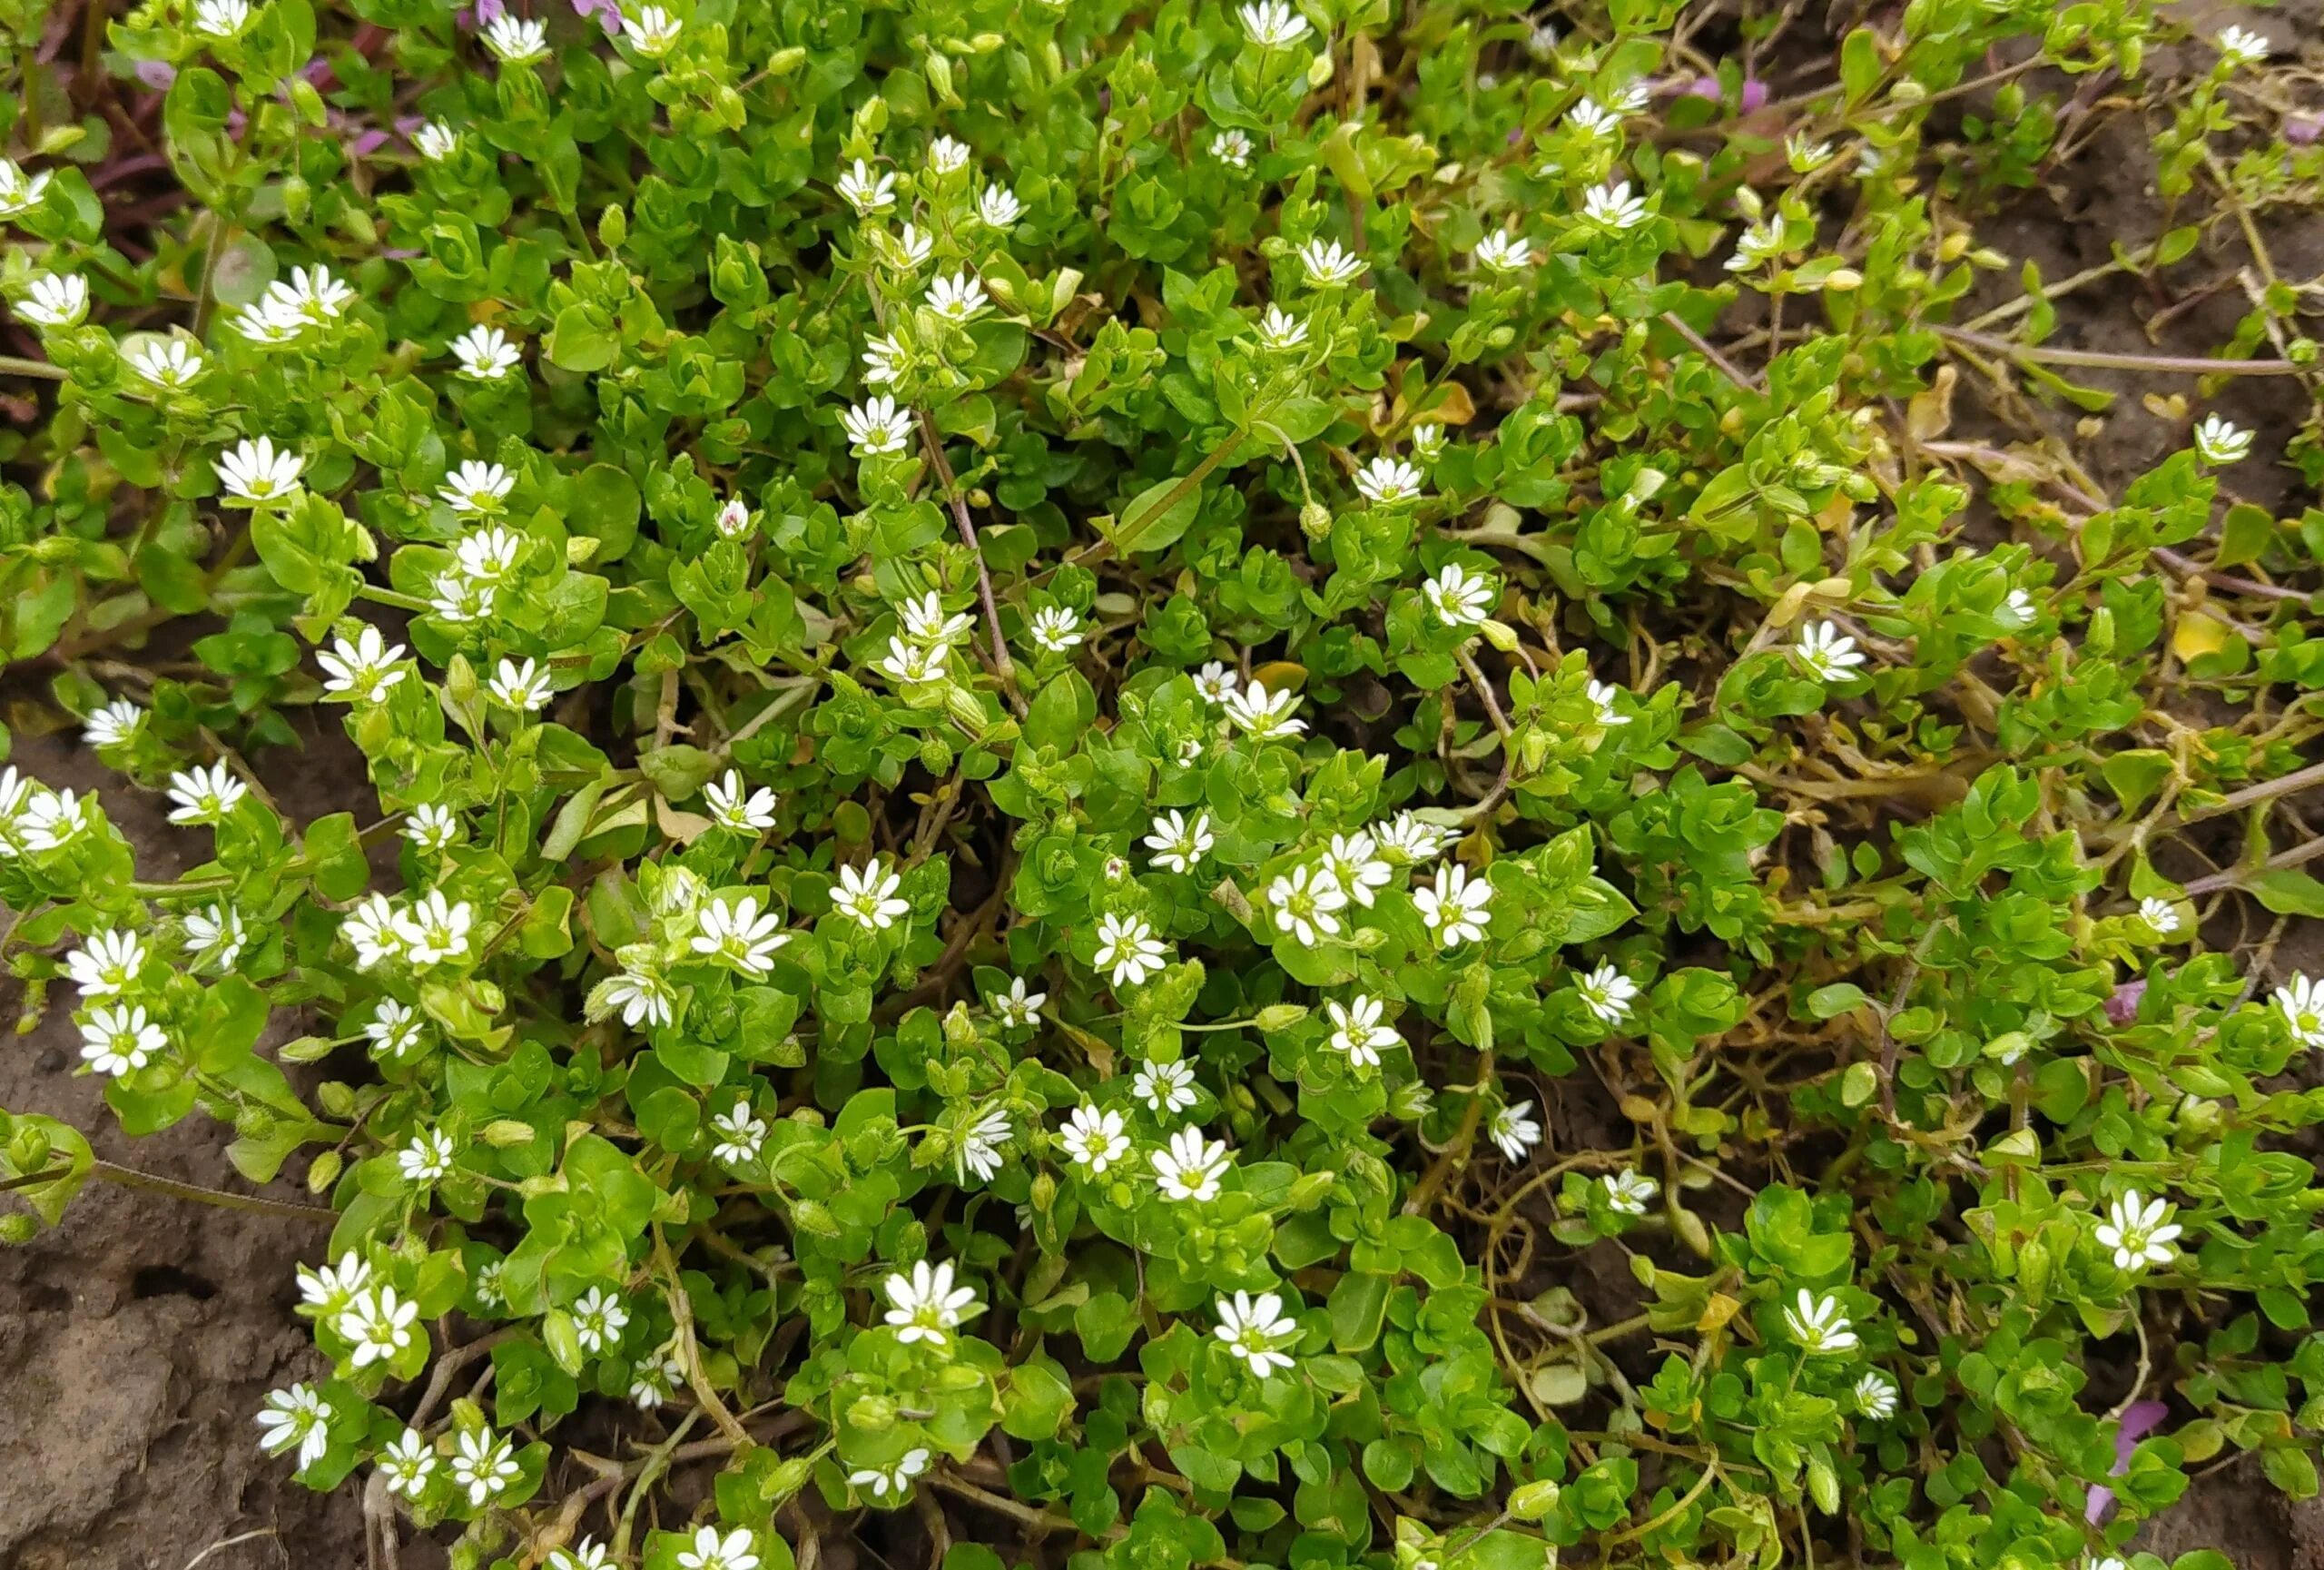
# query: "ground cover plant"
1188, 785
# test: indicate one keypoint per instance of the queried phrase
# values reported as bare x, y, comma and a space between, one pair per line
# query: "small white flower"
867, 190
171, 362
734, 806
1165, 1087
1806, 157
264, 324
1514, 1131
2220, 443
925, 621
1327, 266
642, 997
912, 662
119, 1039
371, 930
1273, 23
1428, 442
884, 360
1280, 331
960, 297
867, 895
2160, 915
436, 929
1415, 841
427, 1159
1232, 147
1759, 244
431, 827
598, 1319
2139, 1230
738, 935
909, 248
477, 490
1215, 682
295, 1416
58, 300
1359, 1030
256, 473
653, 33
1542, 41
948, 155
925, 1306
50, 821
1502, 252
1128, 946
406, 1465
2019, 608
998, 206
394, 1028
1460, 598
2240, 47
1593, 118
1178, 845
310, 294
1189, 1169
1455, 906
1876, 1396
1255, 1330
1819, 1326
1629, 1193
1094, 1139
20, 192
489, 556
1308, 902
877, 428
2301, 1002
979, 1146
738, 1550
361, 671
204, 795
1055, 628
486, 353
1601, 696
483, 1464
734, 519
1016, 1008
650, 1385
436, 141
889, 1482
740, 1133
222, 18
523, 687
214, 935
1608, 993
113, 724
378, 1323
1825, 654
1613, 206
1261, 714
517, 41
1387, 481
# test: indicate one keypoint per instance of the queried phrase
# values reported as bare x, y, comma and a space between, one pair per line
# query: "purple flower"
2138, 1420
157, 74
1755, 96
2303, 129
2123, 1006
606, 12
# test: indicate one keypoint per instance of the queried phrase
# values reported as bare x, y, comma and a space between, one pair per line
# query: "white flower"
1232, 147
1455, 906
1428, 442
1460, 598
166, 362
1261, 714
264, 324
1055, 628
436, 141
2240, 47
1601, 696
912, 662
1502, 252
14, 791
1806, 157
598, 1319
55, 300
1513, 1130
1015, 1008
431, 827
1280, 331
736, 1551
1189, 1167
734, 519
113, 724
2219, 443
1817, 1325
204, 795
887, 1481
378, 1323
2139, 1231
948, 155
427, 1159
118, 1039
1613, 206
1608, 993
738, 936
1628, 1192
2301, 1002
1165, 1087
1758, 244
436, 929
878, 427
310, 295
372, 930
867, 190
517, 41
1178, 845
406, 1465
1255, 1329
1876, 1396
484, 1463
957, 298
19, 191
925, 1306
998, 206
1128, 945
524, 687
296, 1416
1094, 1139
1385, 481
215, 937
1359, 1032
394, 1028
654, 33
477, 490
1825, 653
740, 1134
2159, 915
1592, 119
925, 621
1215, 682
255, 473
650, 1385
884, 359
50, 821
106, 964
736, 807
2020, 609
361, 671
980, 1146
909, 248
1542, 41
1273, 23
867, 895
1415, 840
490, 555
486, 353
1327, 266
1308, 902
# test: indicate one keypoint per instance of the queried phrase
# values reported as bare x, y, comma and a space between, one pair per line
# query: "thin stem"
1002, 666
1703, 346
2176, 364
131, 1178
2235, 877
17, 365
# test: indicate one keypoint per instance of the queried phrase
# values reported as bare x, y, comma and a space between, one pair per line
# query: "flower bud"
1280, 1016
1498, 634
17, 1227
1534, 1500
1315, 520
506, 1133
323, 1170
1308, 1190
871, 1414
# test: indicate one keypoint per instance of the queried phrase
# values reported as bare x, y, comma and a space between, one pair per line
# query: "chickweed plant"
1182, 785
